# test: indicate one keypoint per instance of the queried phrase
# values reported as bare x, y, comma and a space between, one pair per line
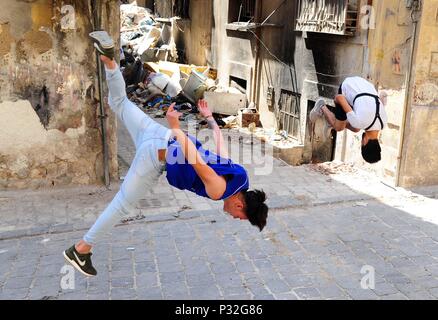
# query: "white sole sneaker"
103, 38
316, 112
103, 43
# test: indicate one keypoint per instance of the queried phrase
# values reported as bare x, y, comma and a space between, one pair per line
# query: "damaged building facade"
283, 54
287, 53
50, 130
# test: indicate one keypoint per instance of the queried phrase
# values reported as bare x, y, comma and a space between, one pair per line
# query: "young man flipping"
358, 107
188, 165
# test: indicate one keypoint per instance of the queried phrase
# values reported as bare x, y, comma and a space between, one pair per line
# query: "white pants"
148, 136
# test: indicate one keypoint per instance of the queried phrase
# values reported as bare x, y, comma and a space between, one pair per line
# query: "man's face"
234, 207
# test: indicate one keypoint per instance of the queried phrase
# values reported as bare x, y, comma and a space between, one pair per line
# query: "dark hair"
256, 209
371, 151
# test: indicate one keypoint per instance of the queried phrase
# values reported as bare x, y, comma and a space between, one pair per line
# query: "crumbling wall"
197, 32
419, 162
49, 128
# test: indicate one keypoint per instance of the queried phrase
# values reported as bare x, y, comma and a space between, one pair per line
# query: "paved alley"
329, 227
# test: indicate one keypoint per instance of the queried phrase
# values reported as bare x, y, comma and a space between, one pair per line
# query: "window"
289, 112
172, 8
181, 9
238, 83
329, 16
241, 11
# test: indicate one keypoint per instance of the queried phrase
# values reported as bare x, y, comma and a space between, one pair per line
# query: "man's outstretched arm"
352, 123
215, 185
221, 148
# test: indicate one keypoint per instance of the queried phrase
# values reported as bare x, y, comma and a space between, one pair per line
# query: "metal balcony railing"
328, 16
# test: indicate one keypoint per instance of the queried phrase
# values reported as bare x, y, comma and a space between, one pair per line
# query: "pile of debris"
333, 167
155, 79
142, 35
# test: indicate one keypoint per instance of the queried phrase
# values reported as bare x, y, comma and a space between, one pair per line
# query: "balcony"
329, 16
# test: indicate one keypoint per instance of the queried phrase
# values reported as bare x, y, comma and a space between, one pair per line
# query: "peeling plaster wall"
49, 130
420, 148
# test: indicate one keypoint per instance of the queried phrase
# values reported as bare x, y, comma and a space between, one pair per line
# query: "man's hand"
221, 149
172, 117
203, 109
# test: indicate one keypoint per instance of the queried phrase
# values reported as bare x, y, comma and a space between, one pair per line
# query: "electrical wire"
292, 67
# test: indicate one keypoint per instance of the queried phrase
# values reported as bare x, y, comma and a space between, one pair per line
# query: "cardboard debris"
155, 78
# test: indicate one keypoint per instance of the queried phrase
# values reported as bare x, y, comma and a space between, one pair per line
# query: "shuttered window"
289, 112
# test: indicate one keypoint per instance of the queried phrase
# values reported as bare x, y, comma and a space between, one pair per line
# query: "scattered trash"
159, 114
45, 240
184, 207
360, 204
230, 122
248, 116
334, 167
387, 185
130, 219
251, 127
156, 76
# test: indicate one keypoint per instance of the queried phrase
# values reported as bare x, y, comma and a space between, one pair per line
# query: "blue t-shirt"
182, 175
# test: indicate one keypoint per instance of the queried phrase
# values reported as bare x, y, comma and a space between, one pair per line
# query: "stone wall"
49, 127
419, 156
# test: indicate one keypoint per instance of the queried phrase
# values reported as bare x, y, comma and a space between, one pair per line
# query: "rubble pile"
334, 167
155, 79
149, 60
143, 36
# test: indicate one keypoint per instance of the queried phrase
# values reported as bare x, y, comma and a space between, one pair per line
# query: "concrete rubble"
156, 76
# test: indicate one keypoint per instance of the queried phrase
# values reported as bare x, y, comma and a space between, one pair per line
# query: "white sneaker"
316, 112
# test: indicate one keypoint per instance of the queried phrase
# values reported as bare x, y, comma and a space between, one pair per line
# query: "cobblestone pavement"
325, 236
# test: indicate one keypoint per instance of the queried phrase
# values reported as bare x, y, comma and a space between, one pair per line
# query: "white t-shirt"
364, 110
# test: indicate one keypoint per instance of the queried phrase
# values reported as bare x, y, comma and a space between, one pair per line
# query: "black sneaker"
82, 262
103, 43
